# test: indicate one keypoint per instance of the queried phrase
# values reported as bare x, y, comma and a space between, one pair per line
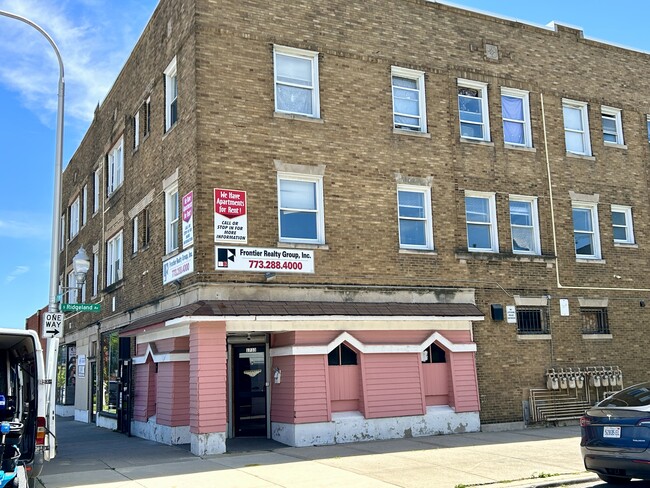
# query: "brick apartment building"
329, 221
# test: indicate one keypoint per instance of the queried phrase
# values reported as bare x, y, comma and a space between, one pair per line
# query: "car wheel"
615, 480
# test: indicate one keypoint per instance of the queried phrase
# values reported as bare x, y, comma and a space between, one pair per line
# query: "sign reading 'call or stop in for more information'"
230, 219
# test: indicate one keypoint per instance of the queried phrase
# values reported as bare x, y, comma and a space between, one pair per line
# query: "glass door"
249, 390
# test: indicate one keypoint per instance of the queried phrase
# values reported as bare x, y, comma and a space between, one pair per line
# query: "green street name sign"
80, 307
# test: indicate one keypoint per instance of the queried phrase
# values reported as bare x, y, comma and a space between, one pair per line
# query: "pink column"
173, 394
145, 392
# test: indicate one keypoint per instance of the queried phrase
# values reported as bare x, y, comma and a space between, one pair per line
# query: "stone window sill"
304, 118
414, 133
580, 156
476, 142
533, 337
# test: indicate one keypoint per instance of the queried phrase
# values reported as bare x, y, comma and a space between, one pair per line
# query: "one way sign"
52, 324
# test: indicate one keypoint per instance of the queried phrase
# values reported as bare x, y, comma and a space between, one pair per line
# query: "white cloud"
25, 226
18, 270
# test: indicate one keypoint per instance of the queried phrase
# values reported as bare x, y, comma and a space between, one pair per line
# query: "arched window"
434, 354
342, 355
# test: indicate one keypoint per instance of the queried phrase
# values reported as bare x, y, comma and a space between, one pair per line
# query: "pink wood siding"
173, 344
436, 383
464, 381
144, 402
344, 386
283, 394
392, 385
208, 377
173, 394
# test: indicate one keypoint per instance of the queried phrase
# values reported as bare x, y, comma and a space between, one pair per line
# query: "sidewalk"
92, 457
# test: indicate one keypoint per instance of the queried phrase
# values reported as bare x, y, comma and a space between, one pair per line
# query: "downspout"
550, 195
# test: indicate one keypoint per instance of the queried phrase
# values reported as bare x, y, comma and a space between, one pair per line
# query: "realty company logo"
224, 255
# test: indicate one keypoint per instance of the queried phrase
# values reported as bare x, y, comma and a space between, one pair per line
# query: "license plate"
612, 432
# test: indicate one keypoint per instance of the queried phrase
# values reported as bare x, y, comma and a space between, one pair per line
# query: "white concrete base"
502, 427
204, 444
353, 427
65, 410
82, 415
106, 422
161, 433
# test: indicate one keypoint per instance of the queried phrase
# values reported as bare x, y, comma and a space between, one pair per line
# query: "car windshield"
635, 396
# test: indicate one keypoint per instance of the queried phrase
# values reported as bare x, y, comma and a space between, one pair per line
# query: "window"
515, 111
95, 273
62, 233
473, 110
594, 320
585, 231
622, 224
414, 215
481, 217
146, 113
74, 218
171, 95
296, 81
524, 225
172, 218
409, 107
145, 228
109, 364
576, 127
648, 126
434, 354
532, 320
84, 205
135, 234
115, 167
300, 209
342, 355
136, 130
73, 291
114, 259
612, 125
96, 190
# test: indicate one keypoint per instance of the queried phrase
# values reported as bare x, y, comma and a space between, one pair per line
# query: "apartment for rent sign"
230, 219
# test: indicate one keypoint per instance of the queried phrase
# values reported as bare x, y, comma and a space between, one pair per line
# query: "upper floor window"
171, 95
145, 231
136, 130
481, 218
300, 208
585, 230
612, 125
135, 241
74, 218
576, 127
622, 224
73, 290
95, 273
96, 189
532, 320
62, 233
473, 110
594, 320
296, 81
115, 167
648, 127
524, 225
114, 252
84, 205
146, 116
409, 107
342, 355
515, 111
414, 215
172, 218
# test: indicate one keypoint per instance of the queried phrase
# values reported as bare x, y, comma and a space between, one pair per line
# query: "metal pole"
58, 167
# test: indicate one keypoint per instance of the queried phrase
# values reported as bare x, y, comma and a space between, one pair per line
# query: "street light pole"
58, 167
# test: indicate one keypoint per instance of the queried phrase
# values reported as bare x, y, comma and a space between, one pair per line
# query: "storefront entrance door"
249, 390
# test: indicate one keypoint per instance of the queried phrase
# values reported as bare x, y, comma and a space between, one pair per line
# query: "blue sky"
95, 38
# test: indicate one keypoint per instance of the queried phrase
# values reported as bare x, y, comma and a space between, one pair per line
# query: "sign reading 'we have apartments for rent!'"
230, 218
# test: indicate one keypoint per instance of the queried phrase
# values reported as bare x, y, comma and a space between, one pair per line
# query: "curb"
561, 480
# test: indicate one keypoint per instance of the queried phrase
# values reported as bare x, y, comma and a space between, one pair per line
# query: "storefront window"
110, 363
66, 374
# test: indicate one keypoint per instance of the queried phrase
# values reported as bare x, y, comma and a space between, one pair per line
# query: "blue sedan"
616, 436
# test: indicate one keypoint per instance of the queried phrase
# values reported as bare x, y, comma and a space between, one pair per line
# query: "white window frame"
96, 189
136, 130
73, 291
84, 205
312, 56
492, 224
172, 218
95, 273
115, 167
595, 233
648, 127
319, 211
135, 235
525, 100
629, 224
483, 87
74, 218
614, 114
534, 227
171, 93
427, 219
418, 77
114, 258
584, 115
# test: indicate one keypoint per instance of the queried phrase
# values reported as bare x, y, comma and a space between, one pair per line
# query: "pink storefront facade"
352, 374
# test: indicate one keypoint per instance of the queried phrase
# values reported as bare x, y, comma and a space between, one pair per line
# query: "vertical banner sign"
230, 219
188, 220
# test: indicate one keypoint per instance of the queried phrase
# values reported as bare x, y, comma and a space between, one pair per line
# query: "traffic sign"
52, 324
80, 307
